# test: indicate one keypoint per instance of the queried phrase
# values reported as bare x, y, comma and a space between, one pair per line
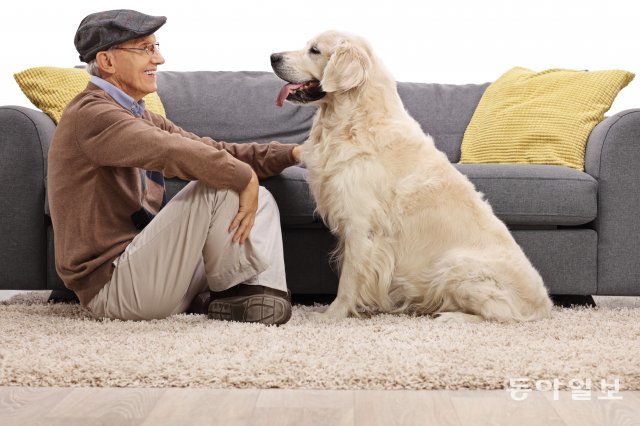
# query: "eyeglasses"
149, 49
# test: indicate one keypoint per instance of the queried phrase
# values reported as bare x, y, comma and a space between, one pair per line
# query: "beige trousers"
187, 249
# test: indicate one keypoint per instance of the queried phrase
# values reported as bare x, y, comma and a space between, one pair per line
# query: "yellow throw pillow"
51, 89
526, 117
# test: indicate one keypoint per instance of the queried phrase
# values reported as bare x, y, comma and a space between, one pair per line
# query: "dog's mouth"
307, 91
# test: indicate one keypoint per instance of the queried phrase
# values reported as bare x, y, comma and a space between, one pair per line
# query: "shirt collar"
127, 102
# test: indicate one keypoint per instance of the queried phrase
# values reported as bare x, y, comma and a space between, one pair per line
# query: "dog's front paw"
328, 315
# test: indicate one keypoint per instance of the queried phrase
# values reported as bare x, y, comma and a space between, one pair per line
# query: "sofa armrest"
613, 158
24, 144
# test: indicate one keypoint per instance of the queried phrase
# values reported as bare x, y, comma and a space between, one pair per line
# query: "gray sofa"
580, 229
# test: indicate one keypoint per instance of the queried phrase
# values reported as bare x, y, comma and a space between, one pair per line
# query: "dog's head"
331, 63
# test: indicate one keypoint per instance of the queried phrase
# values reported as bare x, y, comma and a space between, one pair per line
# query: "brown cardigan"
94, 183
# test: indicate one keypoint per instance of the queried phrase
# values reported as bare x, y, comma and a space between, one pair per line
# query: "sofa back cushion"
232, 106
443, 111
239, 106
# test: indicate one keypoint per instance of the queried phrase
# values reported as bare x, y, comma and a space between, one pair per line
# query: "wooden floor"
174, 406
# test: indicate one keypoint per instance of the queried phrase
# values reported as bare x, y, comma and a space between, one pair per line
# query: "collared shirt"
136, 108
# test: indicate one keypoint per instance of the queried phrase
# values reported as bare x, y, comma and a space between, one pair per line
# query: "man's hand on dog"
296, 153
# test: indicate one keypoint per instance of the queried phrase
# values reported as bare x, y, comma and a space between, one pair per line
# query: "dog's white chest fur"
346, 178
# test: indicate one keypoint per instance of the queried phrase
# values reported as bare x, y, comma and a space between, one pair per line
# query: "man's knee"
197, 188
197, 193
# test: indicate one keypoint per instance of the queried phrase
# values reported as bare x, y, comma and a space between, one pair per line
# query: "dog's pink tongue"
284, 92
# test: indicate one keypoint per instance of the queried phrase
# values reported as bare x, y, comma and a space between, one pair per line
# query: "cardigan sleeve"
108, 135
266, 159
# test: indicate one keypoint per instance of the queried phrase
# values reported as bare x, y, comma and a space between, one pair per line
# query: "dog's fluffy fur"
414, 234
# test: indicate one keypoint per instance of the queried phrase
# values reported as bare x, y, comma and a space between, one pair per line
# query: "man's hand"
247, 211
297, 154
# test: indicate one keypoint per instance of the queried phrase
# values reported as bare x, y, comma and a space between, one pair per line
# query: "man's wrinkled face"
134, 71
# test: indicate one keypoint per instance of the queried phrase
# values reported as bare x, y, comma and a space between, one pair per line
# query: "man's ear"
348, 68
105, 63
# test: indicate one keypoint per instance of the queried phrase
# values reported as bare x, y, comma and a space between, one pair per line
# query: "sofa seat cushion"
290, 189
532, 195
292, 193
536, 194
519, 194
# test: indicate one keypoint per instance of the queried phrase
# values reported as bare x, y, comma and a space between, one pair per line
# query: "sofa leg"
63, 296
566, 300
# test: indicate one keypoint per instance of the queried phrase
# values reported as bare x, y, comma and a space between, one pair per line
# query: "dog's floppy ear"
348, 68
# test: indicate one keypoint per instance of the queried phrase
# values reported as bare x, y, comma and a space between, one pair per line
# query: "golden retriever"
413, 233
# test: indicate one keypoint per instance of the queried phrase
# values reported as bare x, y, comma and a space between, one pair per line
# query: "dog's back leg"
490, 290
484, 300
491, 301
476, 301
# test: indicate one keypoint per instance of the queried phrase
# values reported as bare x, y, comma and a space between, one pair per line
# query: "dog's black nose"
275, 58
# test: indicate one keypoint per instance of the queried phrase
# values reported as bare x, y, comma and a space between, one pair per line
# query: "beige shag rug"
45, 344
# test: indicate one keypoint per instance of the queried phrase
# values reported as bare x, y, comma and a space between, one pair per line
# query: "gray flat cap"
102, 30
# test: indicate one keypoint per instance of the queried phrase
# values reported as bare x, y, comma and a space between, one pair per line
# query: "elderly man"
215, 248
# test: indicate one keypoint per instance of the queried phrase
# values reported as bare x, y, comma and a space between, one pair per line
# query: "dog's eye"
314, 50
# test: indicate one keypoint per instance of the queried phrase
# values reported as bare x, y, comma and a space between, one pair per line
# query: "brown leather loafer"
251, 303
200, 304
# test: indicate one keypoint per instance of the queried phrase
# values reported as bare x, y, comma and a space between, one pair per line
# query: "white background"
448, 41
